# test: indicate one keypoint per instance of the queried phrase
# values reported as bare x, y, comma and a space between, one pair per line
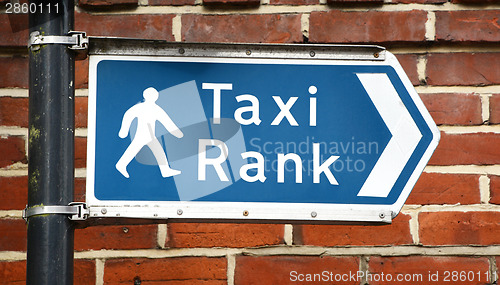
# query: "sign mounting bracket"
76, 211
75, 40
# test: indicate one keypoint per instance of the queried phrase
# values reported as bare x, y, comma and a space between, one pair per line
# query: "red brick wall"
449, 228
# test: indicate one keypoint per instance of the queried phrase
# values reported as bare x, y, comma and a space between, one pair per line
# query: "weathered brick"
13, 150
353, 1
84, 272
14, 111
271, 270
116, 237
497, 276
268, 28
426, 269
463, 69
80, 189
171, 2
13, 237
477, 148
355, 235
106, 3
294, 2
81, 73
419, 1
80, 152
14, 72
81, 111
143, 26
13, 192
473, 1
468, 26
14, 30
409, 64
367, 27
459, 228
232, 2
437, 188
224, 235
495, 189
495, 109
180, 270
14, 272
454, 109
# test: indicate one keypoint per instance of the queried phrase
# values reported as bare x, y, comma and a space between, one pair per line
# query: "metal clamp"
75, 40
76, 211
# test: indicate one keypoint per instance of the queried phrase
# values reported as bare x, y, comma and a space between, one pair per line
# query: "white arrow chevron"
404, 131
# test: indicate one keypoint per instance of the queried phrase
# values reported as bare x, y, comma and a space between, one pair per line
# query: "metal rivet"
312, 53
125, 230
249, 52
314, 214
118, 214
376, 55
104, 211
179, 212
156, 215
381, 215
181, 51
245, 213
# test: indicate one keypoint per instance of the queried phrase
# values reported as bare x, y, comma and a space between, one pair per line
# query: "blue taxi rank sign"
254, 134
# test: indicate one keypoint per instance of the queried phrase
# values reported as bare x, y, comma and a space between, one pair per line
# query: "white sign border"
249, 210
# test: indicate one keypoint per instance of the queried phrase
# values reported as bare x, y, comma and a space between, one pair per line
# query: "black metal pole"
51, 145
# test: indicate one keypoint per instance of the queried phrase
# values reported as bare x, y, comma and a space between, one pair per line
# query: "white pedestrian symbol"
147, 113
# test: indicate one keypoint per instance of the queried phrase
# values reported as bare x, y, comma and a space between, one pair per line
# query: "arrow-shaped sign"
404, 131
253, 131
